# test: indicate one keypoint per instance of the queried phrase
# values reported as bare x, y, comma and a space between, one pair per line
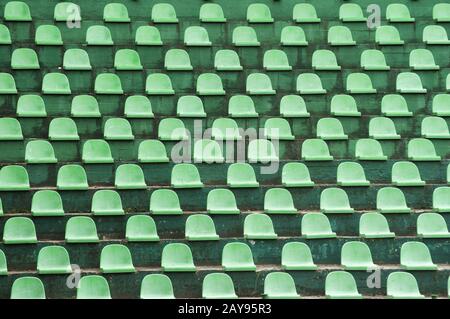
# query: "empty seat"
351, 174
221, 201
172, 129
48, 35
24, 59
305, 13
244, 36
106, 202
441, 12
316, 226
225, 129
315, 149
127, 60
259, 13
53, 260
441, 104
382, 128
81, 229
3, 264
55, 83
374, 225
98, 35
129, 176
7, 84
296, 175
435, 127
415, 255
164, 13
259, 226
280, 285
165, 202
341, 285
96, 151
212, 13
84, 106
200, 227
279, 201
66, 11
237, 257
356, 255
156, 286
339, 36
297, 256
241, 175
398, 12
209, 84
421, 149
14, 178
388, 35
422, 59
19, 230
334, 200
108, 83
141, 228
227, 60
330, 128
276, 60
359, 83
406, 173
185, 175
72, 177
93, 287
5, 36
138, 106
344, 105
324, 60
373, 60
394, 105
117, 129
158, 84
196, 36
293, 106
152, 151
241, 106
27, 288
309, 83
218, 286
115, 12
39, 152
76, 59
116, 258
63, 129
261, 150
351, 12
47, 203
207, 151
148, 35
408, 82
391, 200
10, 129
368, 149
278, 129
17, 11
435, 34
432, 225
402, 285
441, 199
293, 36
177, 257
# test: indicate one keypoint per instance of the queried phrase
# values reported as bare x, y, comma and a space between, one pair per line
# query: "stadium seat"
441, 199
309, 83
330, 128
3, 264
48, 35
117, 129
293, 106
72, 177
341, 285
315, 149
221, 201
156, 286
316, 226
435, 127
237, 256
14, 178
280, 285
259, 13
258, 226
422, 59
415, 255
39, 152
278, 129
388, 35
209, 84
129, 176
164, 13
421, 149
344, 105
259, 84
297, 256
148, 35
200, 227
152, 151
5, 36
351, 12
116, 258
227, 60
63, 129
374, 60
30, 105
394, 105
212, 13
334, 200
106, 202
85, 106
19, 230
7, 84
278, 201
141, 228
185, 175
374, 225
177, 257
138, 106
324, 60
241, 106
391, 200
81, 229
351, 174
402, 285
305, 13
359, 83
108, 83
96, 151
53, 260
24, 59
27, 288
17, 11
339, 35
10, 129
208, 151
241, 175
165, 202
382, 128
55, 83
441, 12
127, 60
398, 12
196, 36
65, 11
115, 12
76, 59
218, 286
296, 175
408, 82
1, 208
225, 129
435, 34
47, 203
293, 36
356, 255
244, 36
276, 60
172, 129
432, 225
93, 287
261, 150
98, 35
441, 104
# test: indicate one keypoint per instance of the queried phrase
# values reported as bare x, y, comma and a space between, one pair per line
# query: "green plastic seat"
293, 36
398, 12
351, 12
432, 225
259, 13
47, 203
276, 60
14, 178
244, 36
185, 175
98, 35
221, 201
39, 152
212, 13
218, 286
27, 288
296, 175
152, 151
66, 11
116, 258
200, 227
148, 35
435, 34
421, 149
177, 60
278, 129
108, 83
115, 12
241, 106
117, 129
158, 84
93, 287
207, 151
165, 202
422, 59
156, 286
164, 13
293, 106
406, 173
297, 256
344, 105
227, 60
435, 127
76, 59
3, 264
129, 176
141, 228
172, 129
10, 129
368, 149
63, 129
340, 36
48, 35
309, 83
305, 13
351, 174
196, 36
241, 175
225, 129
209, 84
341, 285
382, 128
259, 226
31, 105
415, 255
441, 104
106, 202
335, 201
280, 285
374, 225
408, 82
441, 12
81, 229
53, 260
402, 285
72, 177
356, 255
7, 84
279, 201
324, 60
315, 149
138, 106
17, 11
330, 128
190, 106
55, 83
1, 208
394, 105
24, 59
388, 35
359, 83
262, 151
5, 36
441, 199
237, 256
19, 230
374, 60
127, 60
391, 200
85, 106
177, 257
316, 226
